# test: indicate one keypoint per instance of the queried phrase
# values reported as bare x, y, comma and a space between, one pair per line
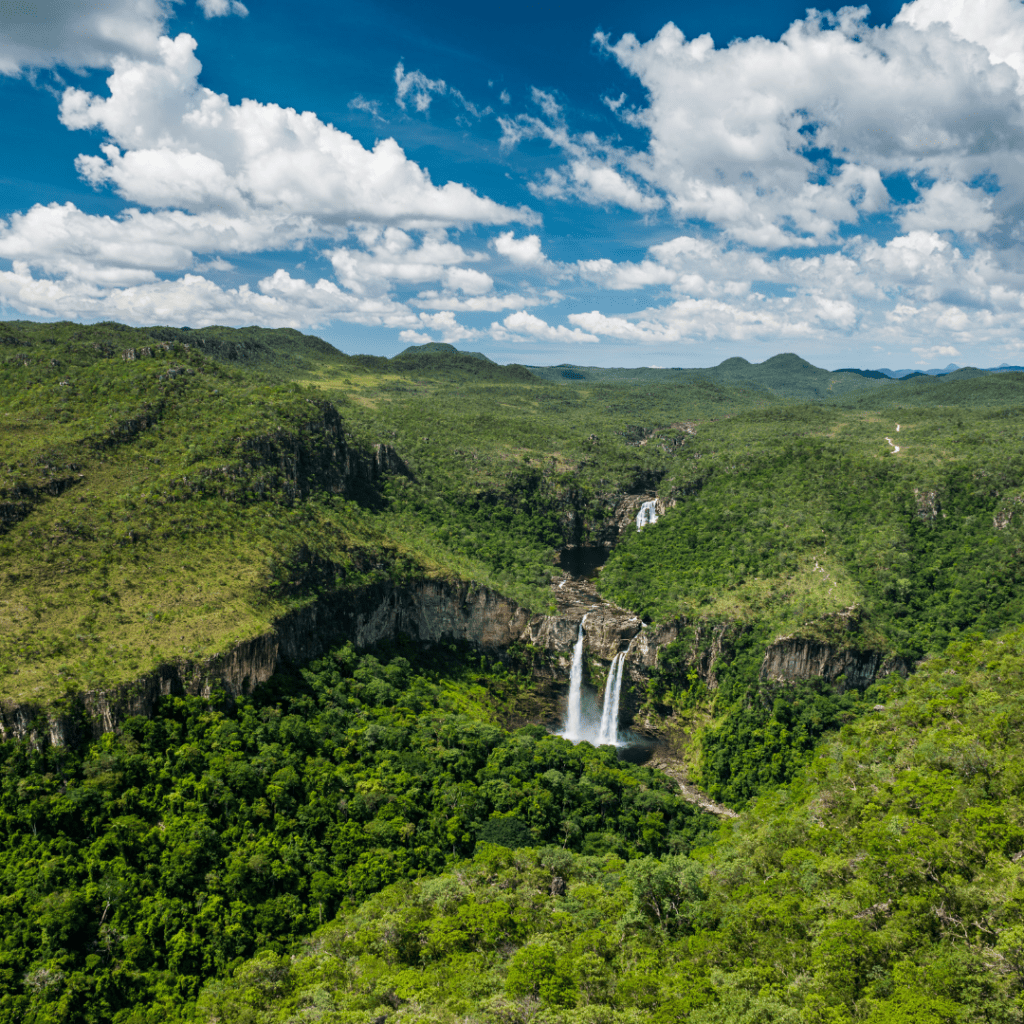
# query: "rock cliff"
792, 658
839, 649
427, 611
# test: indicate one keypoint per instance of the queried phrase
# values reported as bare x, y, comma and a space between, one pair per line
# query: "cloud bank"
840, 183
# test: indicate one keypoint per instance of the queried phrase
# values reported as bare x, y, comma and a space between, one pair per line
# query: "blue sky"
662, 184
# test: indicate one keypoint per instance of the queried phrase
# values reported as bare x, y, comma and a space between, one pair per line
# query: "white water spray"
609, 730
574, 712
648, 514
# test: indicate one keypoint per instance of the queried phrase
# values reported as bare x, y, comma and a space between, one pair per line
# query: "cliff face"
319, 456
792, 658
430, 611
842, 651
427, 611
607, 631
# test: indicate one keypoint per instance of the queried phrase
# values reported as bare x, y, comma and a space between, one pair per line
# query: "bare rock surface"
842, 653
676, 771
791, 658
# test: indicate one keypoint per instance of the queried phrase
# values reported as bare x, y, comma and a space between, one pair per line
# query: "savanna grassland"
361, 839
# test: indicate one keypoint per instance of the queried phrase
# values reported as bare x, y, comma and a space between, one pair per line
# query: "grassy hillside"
167, 493
161, 506
360, 840
805, 523
805, 511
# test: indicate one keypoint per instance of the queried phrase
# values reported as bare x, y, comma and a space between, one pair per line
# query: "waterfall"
576, 729
648, 514
610, 714
574, 712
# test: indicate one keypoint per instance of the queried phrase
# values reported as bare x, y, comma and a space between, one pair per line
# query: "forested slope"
805, 524
167, 495
138, 866
884, 885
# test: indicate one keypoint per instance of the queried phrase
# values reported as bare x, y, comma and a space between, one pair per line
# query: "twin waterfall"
580, 715
577, 729
609, 732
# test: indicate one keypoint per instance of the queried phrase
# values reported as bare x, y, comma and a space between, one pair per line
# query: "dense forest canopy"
376, 834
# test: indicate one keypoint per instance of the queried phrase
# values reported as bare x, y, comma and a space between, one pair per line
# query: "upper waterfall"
648, 514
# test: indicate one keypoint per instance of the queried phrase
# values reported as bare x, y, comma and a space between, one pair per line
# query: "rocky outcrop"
791, 658
90, 714
929, 507
838, 649
19, 501
386, 461
1004, 514
433, 610
427, 611
318, 456
607, 631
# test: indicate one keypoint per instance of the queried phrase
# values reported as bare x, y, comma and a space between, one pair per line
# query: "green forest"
393, 832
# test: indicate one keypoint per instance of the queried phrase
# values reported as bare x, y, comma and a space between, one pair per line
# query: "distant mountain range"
902, 374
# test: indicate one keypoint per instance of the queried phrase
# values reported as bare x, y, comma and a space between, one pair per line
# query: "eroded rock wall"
428, 611
791, 658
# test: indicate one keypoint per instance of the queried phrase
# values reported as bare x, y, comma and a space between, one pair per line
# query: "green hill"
784, 376
441, 361
446, 870
882, 886
833, 585
166, 494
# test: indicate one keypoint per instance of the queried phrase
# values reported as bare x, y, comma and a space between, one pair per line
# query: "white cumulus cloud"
596, 172
175, 143
780, 143
77, 34
222, 8
523, 323
278, 301
523, 252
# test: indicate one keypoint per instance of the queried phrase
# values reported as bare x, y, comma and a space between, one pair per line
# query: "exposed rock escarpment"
792, 658
839, 650
317, 455
427, 611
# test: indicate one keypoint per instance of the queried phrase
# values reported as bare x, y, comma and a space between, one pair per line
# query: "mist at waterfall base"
591, 720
